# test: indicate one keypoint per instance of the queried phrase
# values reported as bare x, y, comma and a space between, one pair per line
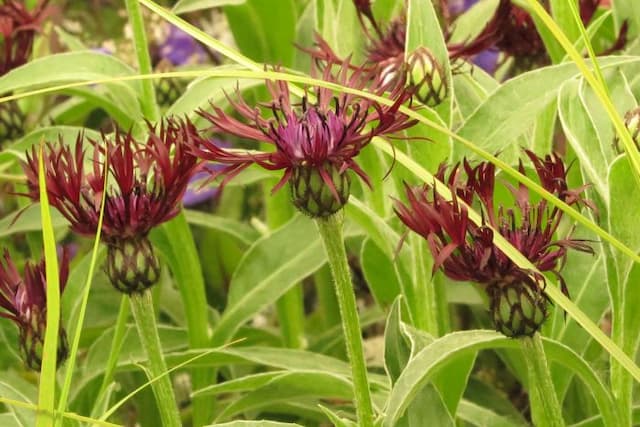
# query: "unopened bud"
517, 309
313, 196
132, 265
426, 77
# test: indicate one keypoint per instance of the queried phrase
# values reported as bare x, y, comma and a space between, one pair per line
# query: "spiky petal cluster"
25, 303
18, 27
315, 142
146, 183
466, 251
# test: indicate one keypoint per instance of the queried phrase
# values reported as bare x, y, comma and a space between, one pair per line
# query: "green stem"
545, 407
148, 102
143, 313
331, 232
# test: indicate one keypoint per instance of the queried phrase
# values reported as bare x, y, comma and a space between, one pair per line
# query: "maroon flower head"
18, 27
466, 251
316, 141
420, 74
146, 183
25, 303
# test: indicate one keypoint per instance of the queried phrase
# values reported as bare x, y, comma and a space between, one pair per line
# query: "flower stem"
331, 232
144, 315
545, 407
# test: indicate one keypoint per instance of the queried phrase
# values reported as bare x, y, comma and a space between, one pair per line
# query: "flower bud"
313, 196
168, 91
11, 121
426, 77
132, 265
517, 309
31, 340
632, 123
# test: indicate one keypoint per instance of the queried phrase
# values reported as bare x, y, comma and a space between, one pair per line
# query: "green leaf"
254, 424
240, 231
268, 269
396, 349
437, 355
380, 273
510, 111
192, 98
582, 136
289, 387
479, 416
246, 383
28, 219
26, 417
75, 67
263, 43
184, 6
51, 134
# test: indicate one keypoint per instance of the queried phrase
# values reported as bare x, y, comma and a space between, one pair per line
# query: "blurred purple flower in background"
179, 48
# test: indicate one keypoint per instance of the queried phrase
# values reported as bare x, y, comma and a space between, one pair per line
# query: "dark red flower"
512, 31
147, 182
315, 142
18, 27
466, 251
25, 303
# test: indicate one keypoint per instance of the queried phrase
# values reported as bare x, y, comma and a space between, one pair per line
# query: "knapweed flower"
466, 251
512, 32
316, 141
18, 27
25, 303
147, 180
420, 73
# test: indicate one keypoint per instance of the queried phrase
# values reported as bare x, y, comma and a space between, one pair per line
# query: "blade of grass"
64, 394
47, 388
69, 415
124, 400
119, 334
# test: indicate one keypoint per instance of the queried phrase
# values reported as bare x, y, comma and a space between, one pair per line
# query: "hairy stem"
331, 232
545, 407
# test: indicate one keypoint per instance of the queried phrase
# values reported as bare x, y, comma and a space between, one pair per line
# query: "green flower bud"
11, 121
517, 309
426, 76
132, 265
168, 91
313, 196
